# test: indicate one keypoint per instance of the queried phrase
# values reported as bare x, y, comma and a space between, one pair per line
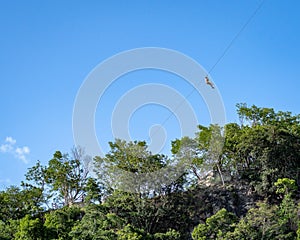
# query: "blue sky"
47, 48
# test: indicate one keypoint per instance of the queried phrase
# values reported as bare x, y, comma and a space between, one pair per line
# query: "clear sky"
47, 48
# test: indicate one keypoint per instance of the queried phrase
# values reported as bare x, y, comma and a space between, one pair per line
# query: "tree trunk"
221, 175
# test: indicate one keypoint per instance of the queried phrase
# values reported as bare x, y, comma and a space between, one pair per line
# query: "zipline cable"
237, 35
218, 60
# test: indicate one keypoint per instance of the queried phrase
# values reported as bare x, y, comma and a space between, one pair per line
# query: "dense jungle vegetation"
241, 181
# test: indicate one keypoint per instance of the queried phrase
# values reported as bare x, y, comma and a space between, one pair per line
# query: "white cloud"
22, 152
19, 152
7, 146
10, 140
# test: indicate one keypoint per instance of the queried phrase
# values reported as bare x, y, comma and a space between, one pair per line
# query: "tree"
285, 186
211, 141
68, 176
131, 233
63, 181
265, 147
93, 191
58, 223
16, 203
134, 198
130, 166
266, 222
7, 230
171, 234
97, 223
216, 226
203, 153
29, 229
36, 181
288, 211
187, 152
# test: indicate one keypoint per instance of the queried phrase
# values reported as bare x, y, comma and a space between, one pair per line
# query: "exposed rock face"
205, 200
234, 198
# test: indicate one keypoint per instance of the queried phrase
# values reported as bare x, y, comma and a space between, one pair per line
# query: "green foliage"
266, 222
29, 229
260, 155
259, 223
171, 234
97, 223
265, 148
187, 153
201, 154
153, 215
298, 231
285, 186
128, 167
59, 223
93, 191
216, 226
16, 203
136, 210
68, 176
6, 232
130, 233
132, 157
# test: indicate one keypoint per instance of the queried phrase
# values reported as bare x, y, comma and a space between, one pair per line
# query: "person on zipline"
208, 82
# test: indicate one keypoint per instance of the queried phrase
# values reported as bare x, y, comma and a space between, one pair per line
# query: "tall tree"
202, 154
65, 178
130, 166
265, 147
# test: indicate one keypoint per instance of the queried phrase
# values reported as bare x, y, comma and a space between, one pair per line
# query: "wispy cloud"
9, 146
7, 180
